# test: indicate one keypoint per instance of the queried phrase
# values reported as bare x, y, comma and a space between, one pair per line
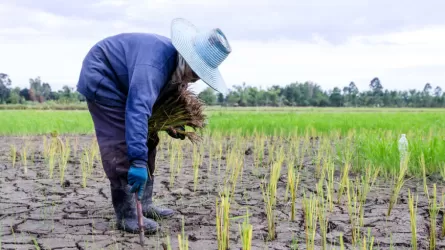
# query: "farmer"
121, 78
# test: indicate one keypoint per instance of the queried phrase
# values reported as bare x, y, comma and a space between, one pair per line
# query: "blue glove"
137, 177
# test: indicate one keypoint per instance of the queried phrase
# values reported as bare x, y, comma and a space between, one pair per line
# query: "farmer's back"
116, 62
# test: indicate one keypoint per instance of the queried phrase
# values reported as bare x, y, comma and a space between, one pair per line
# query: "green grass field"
374, 132
245, 120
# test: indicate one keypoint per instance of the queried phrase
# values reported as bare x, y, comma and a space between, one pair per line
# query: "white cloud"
35, 42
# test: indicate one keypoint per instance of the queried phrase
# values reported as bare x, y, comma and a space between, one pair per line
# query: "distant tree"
5, 83
14, 96
221, 100
35, 89
427, 88
376, 85
336, 99
25, 94
353, 92
208, 96
438, 91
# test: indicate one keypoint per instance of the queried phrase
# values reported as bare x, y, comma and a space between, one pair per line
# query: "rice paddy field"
271, 178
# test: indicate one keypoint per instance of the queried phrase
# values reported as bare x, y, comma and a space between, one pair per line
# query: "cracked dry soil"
37, 212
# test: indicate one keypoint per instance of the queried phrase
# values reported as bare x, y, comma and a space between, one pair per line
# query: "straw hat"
204, 51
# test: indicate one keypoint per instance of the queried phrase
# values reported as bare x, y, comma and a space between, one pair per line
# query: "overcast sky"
274, 42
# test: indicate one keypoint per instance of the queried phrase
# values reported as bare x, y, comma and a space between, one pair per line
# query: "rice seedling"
330, 168
399, 180
13, 154
45, 147
442, 235
343, 182
412, 215
220, 154
270, 196
310, 207
84, 168
353, 209
24, 156
179, 157
234, 169
75, 146
433, 211
370, 239
93, 154
210, 163
246, 233
318, 159
442, 172
172, 164
222, 221
294, 244
64, 156
422, 165
196, 164
365, 183
183, 241
259, 142
303, 149
342, 244
293, 181
177, 106
51, 159
167, 245
323, 222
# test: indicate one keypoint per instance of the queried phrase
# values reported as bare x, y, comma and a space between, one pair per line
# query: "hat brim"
182, 35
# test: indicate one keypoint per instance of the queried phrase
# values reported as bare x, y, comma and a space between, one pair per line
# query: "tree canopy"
294, 94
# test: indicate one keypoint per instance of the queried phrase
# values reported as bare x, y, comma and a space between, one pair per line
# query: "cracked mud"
37, 212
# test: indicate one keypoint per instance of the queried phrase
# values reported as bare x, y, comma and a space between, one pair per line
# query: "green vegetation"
294, 94
290, 120
372, 137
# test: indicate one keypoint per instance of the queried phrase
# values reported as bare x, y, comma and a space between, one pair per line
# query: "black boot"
125, 208
148, 208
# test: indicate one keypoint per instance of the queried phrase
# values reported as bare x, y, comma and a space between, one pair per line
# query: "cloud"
330, 43
334, 21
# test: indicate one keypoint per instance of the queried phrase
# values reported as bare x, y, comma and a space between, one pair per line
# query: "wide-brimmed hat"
204, 51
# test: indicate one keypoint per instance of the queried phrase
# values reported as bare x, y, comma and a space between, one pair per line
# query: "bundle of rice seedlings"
177, 106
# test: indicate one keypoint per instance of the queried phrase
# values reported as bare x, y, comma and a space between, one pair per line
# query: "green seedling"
398, 184
196, 164
310, 207
433, 211
270, 197
182, 238
246, 233
222, 221
13, 155
412, 215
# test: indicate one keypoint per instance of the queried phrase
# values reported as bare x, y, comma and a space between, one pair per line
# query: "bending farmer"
121, 78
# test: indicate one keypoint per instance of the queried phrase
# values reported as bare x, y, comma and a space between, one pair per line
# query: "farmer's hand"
137, 177
173, 132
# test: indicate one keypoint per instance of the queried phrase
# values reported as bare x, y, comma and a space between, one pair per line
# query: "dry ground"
35, 211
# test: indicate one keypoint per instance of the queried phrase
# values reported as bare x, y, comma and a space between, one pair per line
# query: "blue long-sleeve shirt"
129, 70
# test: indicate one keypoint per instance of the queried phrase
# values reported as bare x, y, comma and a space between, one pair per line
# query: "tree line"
294, 94
311, 94
37, 91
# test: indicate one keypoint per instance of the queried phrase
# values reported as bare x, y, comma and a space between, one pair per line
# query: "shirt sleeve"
143, 90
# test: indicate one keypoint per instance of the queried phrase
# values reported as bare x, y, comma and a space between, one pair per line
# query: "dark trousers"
109, 124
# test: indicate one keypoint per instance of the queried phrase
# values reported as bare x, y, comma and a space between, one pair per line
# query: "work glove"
172, 132
137, 177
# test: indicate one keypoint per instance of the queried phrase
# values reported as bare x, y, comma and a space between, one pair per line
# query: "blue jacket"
129, 70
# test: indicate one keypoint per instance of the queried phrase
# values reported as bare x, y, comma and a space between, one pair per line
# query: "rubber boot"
148, 208
125, 208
